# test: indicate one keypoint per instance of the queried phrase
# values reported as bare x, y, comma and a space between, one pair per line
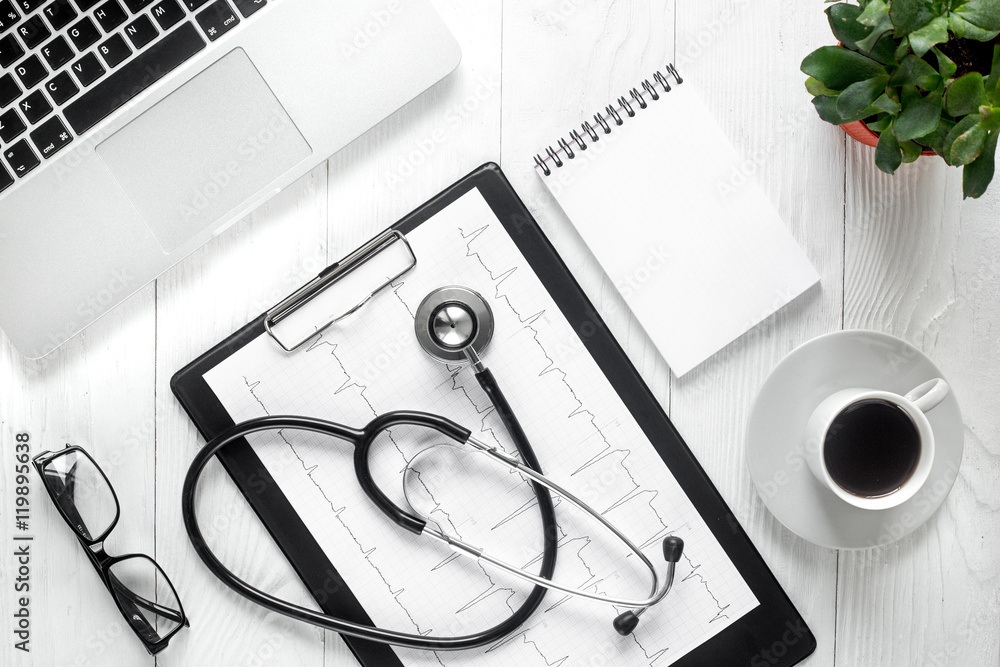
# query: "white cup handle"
928, 395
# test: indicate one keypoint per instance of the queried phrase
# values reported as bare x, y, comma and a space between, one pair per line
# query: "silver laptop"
132, 131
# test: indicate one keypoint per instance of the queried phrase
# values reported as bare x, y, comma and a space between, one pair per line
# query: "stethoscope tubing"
361, 439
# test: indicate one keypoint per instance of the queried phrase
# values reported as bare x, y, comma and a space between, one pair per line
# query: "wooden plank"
212, 293
93, 392
432, 142
922, 265
745, 58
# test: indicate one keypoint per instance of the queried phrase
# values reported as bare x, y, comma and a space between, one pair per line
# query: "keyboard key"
168, 14
114, 50
10, 51
141, 32
143, 71
57, 53
194, 4
84, 34
6, 180
248, 7
35, 107
61, 87
11, 126
88, 69
136, 6
30, 71
33, 32
110, 15
60, 13
28, 6
8, 15
21, 158
84, 5
9, 90
218, 19
51, 137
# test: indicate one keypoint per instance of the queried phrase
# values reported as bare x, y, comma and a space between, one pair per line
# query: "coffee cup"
874, 449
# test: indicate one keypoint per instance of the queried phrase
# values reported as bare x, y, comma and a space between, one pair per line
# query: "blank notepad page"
693, 244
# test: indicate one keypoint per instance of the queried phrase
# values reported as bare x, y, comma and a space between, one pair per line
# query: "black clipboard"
773, 633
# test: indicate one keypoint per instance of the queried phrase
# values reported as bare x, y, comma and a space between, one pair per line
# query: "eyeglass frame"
103, 563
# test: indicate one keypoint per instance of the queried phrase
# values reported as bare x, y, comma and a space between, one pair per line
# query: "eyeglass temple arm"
124, 591
64, 486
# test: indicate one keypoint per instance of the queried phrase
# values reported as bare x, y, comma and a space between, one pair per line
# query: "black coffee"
872, 448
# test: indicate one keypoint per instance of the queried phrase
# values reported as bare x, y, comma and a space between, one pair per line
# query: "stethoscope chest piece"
452, 319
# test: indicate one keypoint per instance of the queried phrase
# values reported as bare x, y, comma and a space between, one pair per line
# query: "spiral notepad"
675, 218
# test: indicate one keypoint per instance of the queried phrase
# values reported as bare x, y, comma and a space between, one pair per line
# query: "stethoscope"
453, 325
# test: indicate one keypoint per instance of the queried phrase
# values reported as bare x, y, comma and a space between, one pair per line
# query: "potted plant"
914, 77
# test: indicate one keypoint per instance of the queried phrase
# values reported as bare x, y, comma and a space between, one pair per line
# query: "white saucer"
776, 438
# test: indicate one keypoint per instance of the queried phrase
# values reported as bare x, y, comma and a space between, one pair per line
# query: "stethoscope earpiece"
673, 547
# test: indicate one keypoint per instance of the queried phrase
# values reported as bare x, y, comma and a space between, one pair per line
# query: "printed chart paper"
582, 432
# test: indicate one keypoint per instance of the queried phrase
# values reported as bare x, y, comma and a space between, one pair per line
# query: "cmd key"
134, 77
217, 19
51, 137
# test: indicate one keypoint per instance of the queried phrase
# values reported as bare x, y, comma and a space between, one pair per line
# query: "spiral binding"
613, 113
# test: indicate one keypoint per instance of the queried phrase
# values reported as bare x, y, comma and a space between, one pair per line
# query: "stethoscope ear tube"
362, 468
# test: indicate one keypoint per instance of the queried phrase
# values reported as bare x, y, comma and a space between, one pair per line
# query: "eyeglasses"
85, 498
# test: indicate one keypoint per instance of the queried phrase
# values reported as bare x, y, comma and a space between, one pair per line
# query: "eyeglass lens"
146, 596
82, 492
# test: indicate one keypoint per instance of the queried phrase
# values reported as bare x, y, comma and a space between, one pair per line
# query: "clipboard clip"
329, 277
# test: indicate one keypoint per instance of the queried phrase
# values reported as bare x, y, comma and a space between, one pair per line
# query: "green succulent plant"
922, 74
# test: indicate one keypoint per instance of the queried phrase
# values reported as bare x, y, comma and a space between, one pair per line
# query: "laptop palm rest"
190, 161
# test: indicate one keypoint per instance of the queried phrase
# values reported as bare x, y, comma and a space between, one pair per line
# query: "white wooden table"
902, 255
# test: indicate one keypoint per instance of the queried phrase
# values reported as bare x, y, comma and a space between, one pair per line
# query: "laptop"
132, 131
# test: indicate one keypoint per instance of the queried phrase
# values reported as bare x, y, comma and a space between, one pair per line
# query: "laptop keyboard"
68, 64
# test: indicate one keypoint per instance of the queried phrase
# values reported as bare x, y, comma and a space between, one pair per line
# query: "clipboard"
774, 631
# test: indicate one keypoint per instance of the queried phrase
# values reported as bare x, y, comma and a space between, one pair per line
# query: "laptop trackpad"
195, 157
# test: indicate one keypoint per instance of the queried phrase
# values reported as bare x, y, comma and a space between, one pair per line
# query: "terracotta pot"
860, 132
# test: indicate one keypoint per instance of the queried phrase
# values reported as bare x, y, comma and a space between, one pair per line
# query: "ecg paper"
582, 432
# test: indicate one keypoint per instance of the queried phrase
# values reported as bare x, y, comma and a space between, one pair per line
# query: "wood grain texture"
93, 392
922, 265
744, 58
